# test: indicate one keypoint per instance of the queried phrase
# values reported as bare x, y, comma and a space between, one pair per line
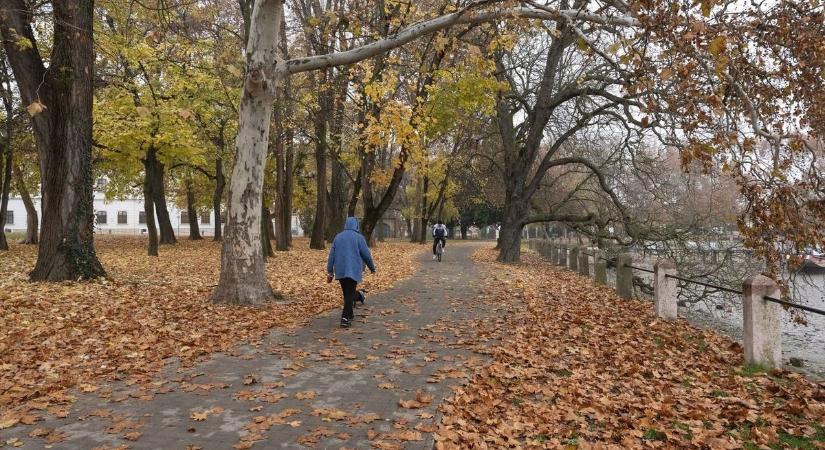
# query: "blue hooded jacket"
349, 253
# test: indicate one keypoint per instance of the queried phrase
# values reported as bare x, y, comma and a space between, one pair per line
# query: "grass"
652, 434
751, 370
572, 440
719, 393
563, 372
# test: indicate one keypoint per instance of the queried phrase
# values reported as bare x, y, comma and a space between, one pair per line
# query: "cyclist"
439, 234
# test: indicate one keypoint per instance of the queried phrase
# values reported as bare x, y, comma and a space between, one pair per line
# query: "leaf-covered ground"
573, 365
58, 336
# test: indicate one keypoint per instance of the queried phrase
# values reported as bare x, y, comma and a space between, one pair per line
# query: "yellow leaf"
8, 422
717, 45
706, 7
35, 108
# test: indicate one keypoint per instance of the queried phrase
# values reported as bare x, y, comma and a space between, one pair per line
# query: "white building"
124, 217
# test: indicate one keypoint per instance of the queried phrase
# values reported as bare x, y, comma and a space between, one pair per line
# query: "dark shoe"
362, 296
345, 323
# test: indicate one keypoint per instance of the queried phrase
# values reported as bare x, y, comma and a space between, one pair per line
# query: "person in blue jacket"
346, 262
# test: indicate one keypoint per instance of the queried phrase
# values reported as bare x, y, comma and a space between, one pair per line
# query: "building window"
184, 217
9, 217
206, 218
223, 216
122, 218
142, 217
101, 217
100, 184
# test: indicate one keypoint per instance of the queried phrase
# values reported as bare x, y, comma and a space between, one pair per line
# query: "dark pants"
348, 286
443, 243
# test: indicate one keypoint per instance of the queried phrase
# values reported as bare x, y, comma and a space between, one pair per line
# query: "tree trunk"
266, 229
149, 212
243, 275
5, 188
217, 196
319, 224
373, 213
422, 228
337, 200
509, 244
32, 222
155, 176
284, 159
464, 229
281, 241
353, 200
194, 230
289, 185
63, 131
408, 222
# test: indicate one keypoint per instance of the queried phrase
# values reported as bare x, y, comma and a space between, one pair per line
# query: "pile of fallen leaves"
574, 365
56, 336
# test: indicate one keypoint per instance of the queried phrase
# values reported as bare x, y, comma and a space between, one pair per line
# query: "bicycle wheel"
439, 250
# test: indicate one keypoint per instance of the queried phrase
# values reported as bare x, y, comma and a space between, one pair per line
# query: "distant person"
439, 234
346, 262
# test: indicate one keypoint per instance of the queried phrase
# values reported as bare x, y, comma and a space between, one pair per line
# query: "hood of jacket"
352, 224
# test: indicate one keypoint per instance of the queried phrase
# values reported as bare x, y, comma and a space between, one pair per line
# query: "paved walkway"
376, 384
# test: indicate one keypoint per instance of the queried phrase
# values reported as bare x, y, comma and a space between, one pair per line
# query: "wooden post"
563, 255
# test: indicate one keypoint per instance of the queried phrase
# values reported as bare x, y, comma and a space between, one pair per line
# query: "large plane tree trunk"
243, 275
63, 131
32, 221
509, 243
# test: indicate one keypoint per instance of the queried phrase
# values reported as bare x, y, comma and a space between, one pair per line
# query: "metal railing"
764, 323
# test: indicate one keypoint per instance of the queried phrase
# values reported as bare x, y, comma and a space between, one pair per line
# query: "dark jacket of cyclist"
439, 234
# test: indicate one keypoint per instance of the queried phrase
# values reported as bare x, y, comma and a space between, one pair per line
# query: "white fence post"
665, 290
762, 322
584, 262
600, 268
624, 275
573, 263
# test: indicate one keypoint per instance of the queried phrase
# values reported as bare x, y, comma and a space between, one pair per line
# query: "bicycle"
439, 250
